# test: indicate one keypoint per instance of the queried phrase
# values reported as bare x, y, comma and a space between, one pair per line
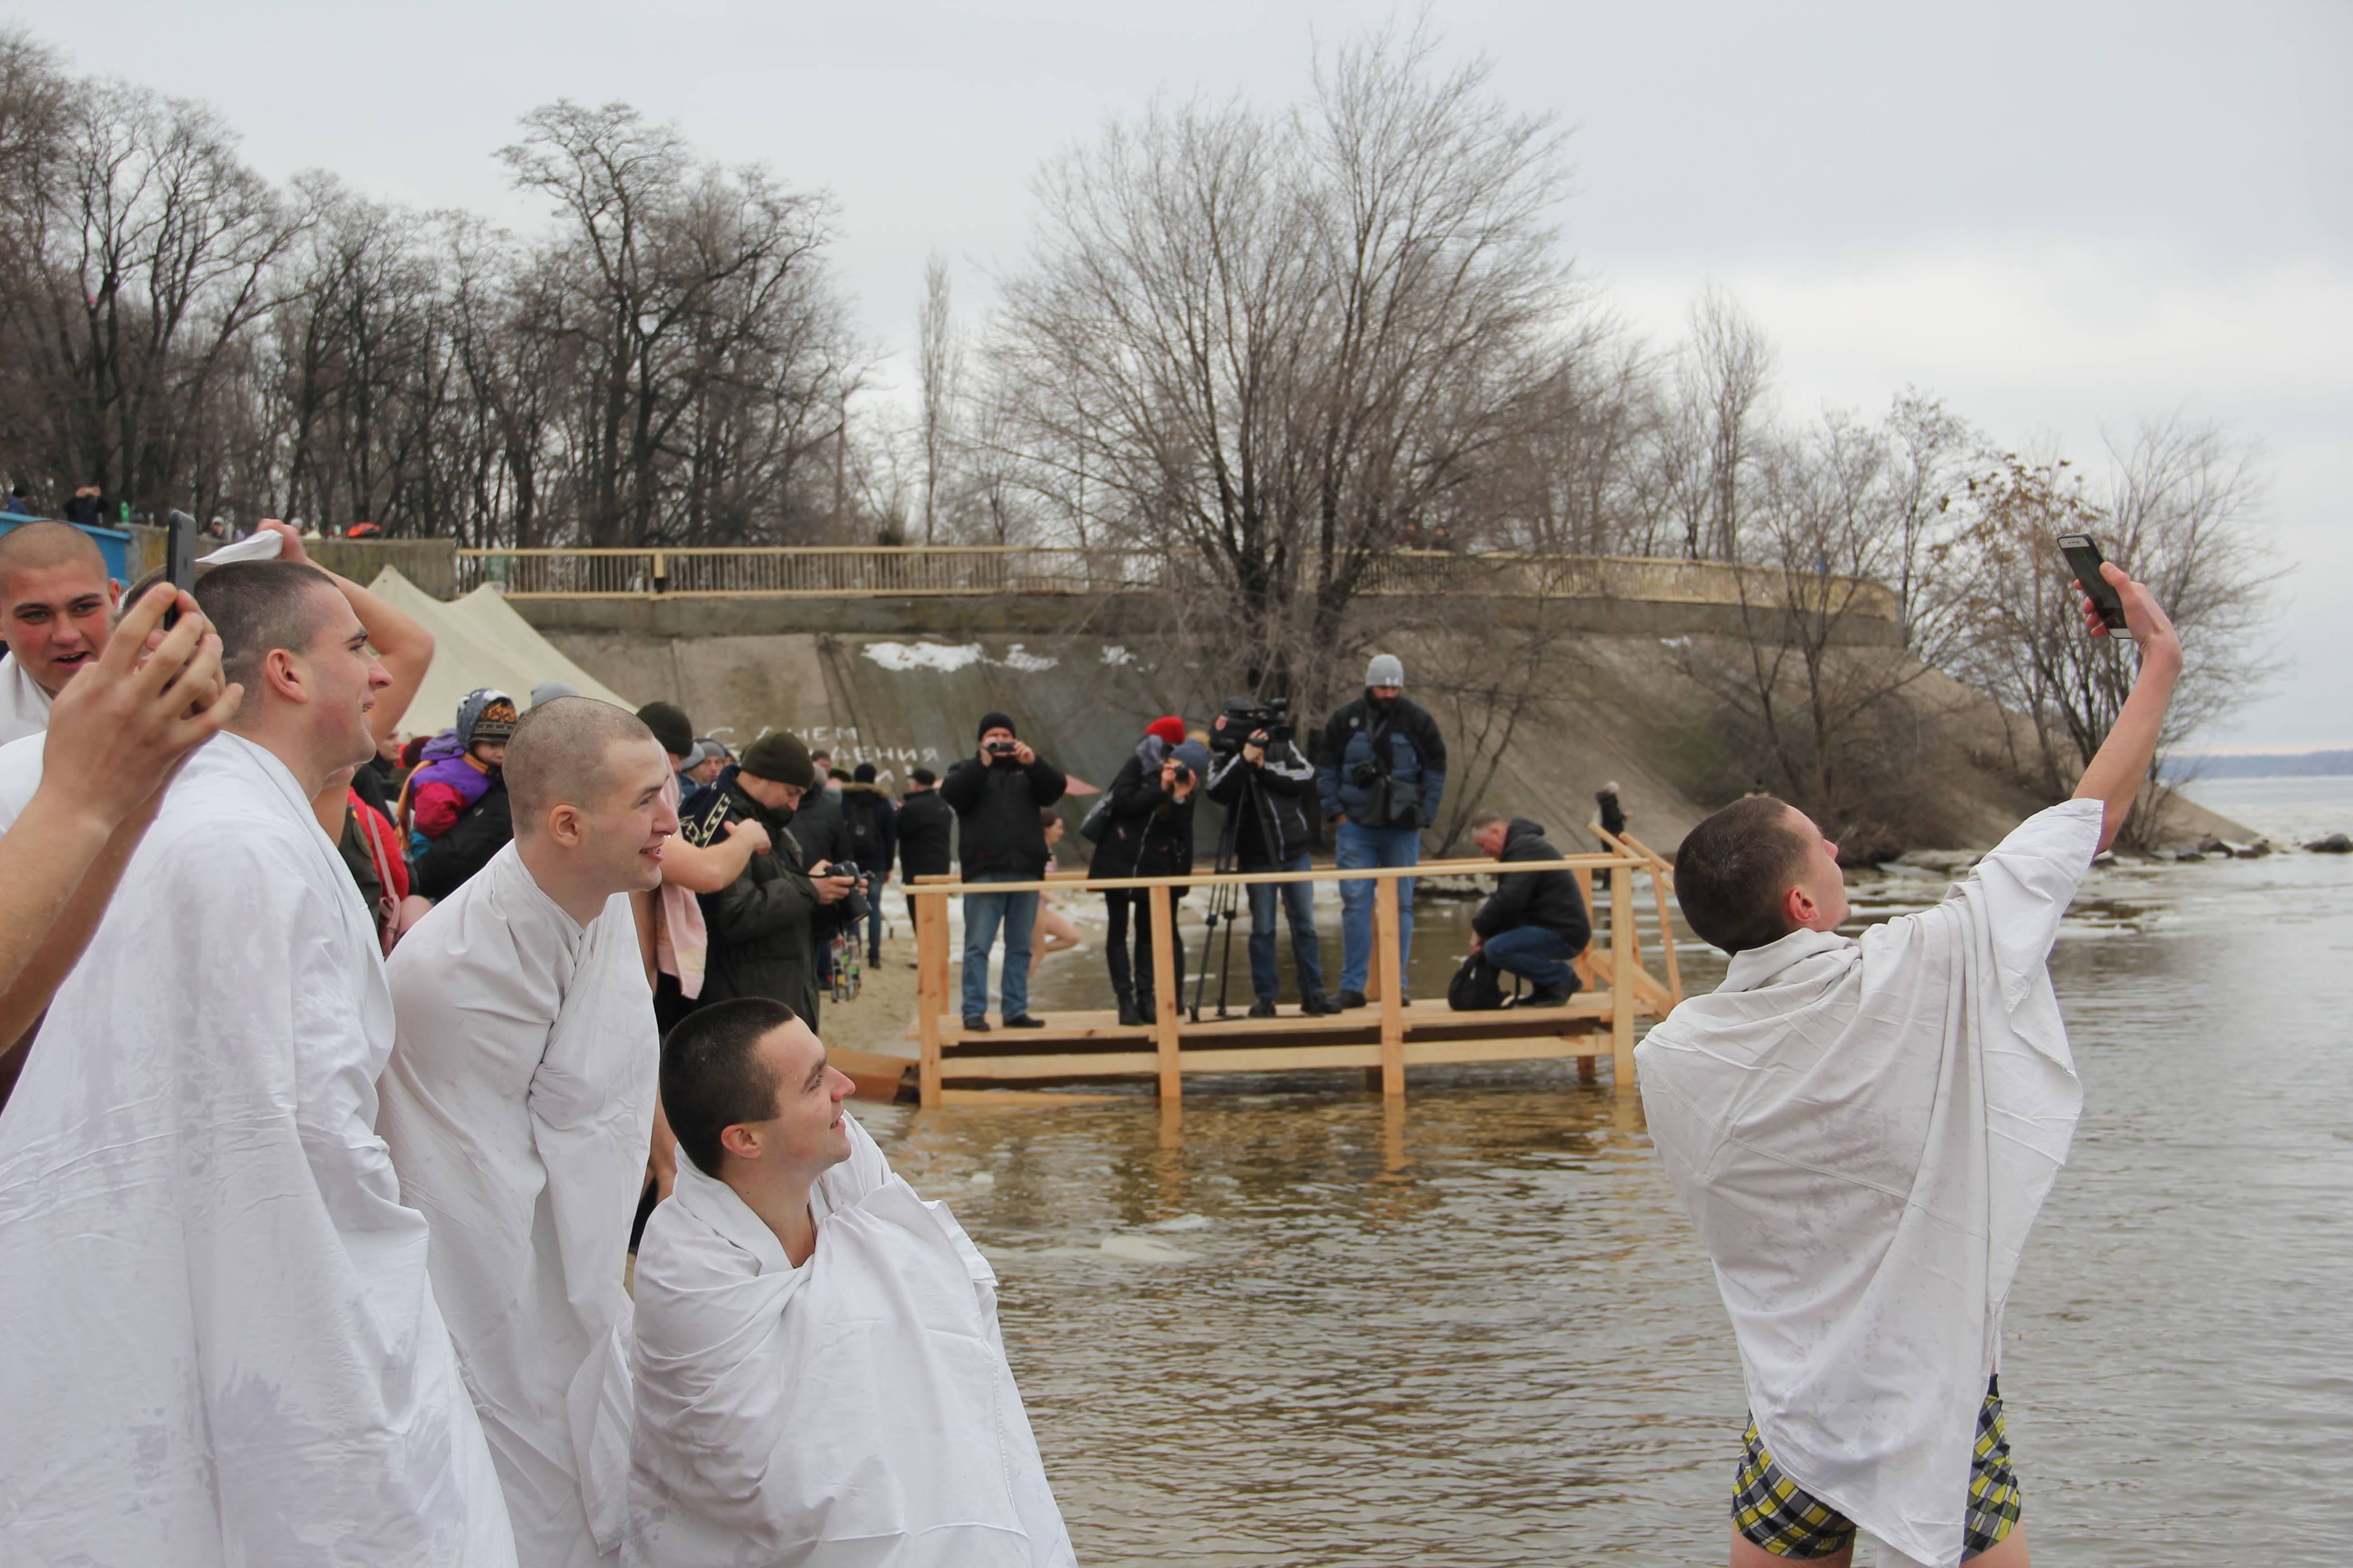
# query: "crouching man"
820, 1379
1534, 924
1862, 1132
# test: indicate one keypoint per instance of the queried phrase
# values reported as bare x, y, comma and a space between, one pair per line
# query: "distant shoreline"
2259, 765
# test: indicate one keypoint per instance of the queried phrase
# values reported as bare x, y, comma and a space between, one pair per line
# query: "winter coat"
1150, 833
763, 925
1417, 756
1274, 829
873, 824
926, 827
997, 807
480, 831
1545, 899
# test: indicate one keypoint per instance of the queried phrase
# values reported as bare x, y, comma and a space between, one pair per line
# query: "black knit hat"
997, 721
670, 726
864, 774
781, 758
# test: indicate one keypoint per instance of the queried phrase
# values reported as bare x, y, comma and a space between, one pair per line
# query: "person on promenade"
764, 925
820, 1376
1862, 1132
1270, 785
223, 1340
996, 795
1534, 923
56, 604
518, 1105
84, 792
873, 824
1382, 771
1149, 834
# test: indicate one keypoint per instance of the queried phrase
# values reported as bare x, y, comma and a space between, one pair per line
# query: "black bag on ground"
1477, 986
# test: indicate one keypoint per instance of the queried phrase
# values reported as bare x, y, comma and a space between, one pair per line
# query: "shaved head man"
519, 1104
56, 605
227, 1320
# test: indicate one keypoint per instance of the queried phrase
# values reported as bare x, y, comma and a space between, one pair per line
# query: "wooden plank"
1281, 1058
1623, 967
1020, 1098
930, 988
1660, 881
1386, 963
1109, 1064
1422, 1053
1164, 994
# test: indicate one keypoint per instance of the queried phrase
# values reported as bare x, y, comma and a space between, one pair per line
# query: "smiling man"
518, 1105
56, 605
215, 1297
820, 1379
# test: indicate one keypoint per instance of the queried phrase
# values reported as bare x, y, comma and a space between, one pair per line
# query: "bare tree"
1722, 383
939, 371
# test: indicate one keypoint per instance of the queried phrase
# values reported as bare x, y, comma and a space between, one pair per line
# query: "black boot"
1315, 1005
1129, 1018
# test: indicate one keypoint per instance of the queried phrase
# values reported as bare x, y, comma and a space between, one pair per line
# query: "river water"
1291, 1325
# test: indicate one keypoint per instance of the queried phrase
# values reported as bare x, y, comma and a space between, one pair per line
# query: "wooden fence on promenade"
926, 571
1389, 1036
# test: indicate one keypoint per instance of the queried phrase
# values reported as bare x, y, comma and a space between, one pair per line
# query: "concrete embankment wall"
1620, 706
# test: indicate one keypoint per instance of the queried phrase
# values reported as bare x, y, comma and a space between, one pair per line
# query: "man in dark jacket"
873, 824
1382, 768
926, 829
1149, 834
1535, 922
1269, 784
996, 795
764, 926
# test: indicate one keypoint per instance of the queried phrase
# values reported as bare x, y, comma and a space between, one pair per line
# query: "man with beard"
215, 1301
56, 605
517, 1108
763, 926
1382, 770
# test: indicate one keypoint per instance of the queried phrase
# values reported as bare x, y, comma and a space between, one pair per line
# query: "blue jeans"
1536, 955
982, 914
1298, 911
1358, 848
874, 916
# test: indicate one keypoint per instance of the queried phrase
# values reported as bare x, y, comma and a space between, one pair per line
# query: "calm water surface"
1294, 1326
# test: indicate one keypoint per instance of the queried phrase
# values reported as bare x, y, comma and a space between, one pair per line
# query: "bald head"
56, 601
568, 751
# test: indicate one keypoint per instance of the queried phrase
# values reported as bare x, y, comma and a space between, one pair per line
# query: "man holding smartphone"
764, 925
1863, 1129
997, 794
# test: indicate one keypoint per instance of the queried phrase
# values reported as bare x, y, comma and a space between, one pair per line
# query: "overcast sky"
2063, 217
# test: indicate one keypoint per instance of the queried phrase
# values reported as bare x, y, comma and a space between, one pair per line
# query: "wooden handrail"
1065, 882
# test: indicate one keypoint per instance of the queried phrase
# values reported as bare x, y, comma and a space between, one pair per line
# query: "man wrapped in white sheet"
1864, 1131
518, 1105
218, 1341
820, 1379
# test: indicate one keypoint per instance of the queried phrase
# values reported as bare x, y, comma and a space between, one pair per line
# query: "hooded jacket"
1417, 756
926, 825
1545, 899
996, 809
763, 925
1151, 831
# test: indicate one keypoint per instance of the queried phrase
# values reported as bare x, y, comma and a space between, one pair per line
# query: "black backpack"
1478, 986
865, 836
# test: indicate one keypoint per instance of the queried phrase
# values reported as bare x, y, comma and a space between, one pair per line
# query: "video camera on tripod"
1242, 717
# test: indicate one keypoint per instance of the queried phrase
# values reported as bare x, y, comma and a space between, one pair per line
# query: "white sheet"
23, 706
855, 1411
218, 1343
519, 1107
20, 775
1864, 1133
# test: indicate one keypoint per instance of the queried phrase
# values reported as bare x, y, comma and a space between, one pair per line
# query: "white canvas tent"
479, 641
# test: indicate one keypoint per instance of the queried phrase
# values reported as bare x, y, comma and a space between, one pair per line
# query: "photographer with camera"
1149, 834
1264, 784
1382, 770
763, 927
997, 794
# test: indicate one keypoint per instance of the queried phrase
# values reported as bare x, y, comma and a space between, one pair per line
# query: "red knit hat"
1169, 727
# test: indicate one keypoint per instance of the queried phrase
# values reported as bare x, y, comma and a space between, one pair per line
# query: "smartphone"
179, 558
2084, 558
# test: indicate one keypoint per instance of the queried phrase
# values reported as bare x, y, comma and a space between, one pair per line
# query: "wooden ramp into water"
1384, 1039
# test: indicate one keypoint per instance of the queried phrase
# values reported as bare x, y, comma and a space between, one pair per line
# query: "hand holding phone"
2084, 558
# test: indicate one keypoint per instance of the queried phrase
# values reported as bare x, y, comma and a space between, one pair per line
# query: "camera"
1182, 774
1243, 718
1363, 774
1003, 748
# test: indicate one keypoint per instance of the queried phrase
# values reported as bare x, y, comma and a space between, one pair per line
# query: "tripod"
1224, 900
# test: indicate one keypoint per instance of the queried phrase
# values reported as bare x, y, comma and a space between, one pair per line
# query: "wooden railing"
1599, 1020
948, 570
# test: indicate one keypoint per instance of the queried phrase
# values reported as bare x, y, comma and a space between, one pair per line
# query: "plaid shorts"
1775, 1512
